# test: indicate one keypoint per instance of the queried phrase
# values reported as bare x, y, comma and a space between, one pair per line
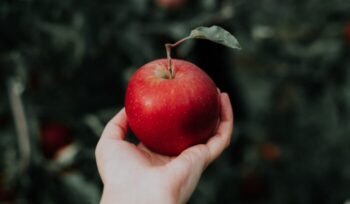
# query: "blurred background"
64, 67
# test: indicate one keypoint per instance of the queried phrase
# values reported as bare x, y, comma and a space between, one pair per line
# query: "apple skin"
170, 115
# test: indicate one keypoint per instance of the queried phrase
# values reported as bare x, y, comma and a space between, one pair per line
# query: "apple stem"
168, 47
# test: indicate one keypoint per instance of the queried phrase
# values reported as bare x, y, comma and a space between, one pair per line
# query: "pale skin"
133, 174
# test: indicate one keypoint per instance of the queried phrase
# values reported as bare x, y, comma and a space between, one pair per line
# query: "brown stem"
168, 47
168, 55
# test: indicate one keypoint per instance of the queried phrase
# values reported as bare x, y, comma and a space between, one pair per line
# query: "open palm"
134, 174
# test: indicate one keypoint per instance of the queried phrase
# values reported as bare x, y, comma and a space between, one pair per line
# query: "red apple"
169, 111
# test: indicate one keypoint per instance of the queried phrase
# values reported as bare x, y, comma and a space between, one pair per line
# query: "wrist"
135, 194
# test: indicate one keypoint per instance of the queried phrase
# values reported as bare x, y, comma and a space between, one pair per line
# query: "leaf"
216, 34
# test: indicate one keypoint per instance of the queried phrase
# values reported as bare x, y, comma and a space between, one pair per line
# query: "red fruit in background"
270, 152
169, 114
54, 136
347, 33
171, 4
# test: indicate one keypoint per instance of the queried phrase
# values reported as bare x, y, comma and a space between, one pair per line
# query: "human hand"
133, 174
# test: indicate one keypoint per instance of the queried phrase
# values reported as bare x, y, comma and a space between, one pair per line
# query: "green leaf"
216, 34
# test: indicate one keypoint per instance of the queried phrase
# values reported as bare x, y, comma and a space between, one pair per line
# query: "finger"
199, 156
117, 127
222, 138
219, 102
193, 160
114, 132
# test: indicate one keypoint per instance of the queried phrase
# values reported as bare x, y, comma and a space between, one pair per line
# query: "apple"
171, 110
172, 104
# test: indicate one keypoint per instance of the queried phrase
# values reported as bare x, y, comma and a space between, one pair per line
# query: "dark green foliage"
290, 85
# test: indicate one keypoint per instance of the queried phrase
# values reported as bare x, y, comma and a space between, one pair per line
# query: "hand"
133, 174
